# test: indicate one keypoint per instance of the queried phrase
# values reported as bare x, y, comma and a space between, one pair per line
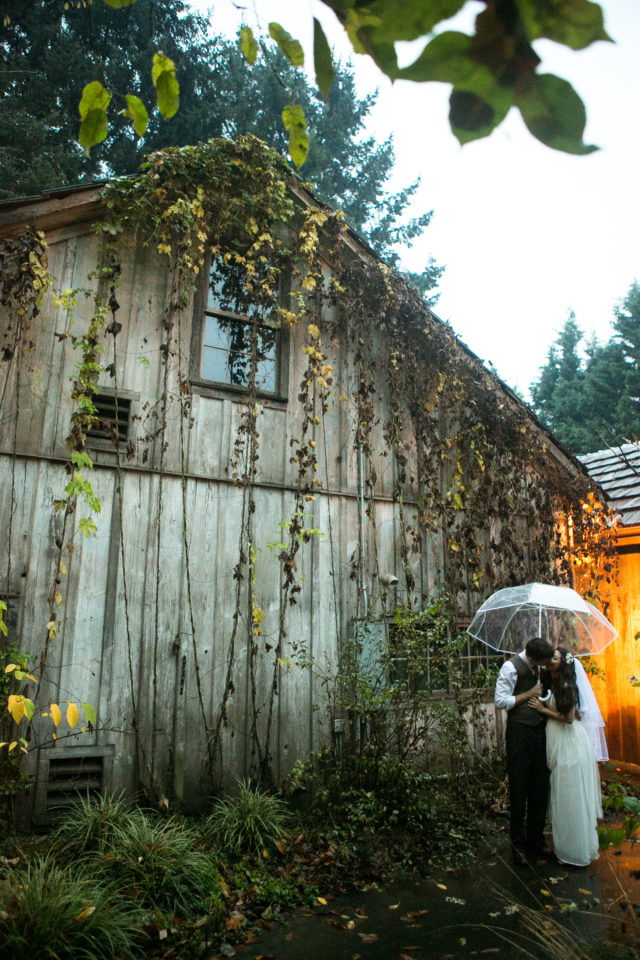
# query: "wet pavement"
476, 911
473, 911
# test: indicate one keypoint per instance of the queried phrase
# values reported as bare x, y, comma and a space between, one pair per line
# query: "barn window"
438, 663
435, 663
227, 352
236, 332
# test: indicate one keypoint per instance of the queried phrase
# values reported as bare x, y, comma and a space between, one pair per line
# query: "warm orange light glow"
619, 700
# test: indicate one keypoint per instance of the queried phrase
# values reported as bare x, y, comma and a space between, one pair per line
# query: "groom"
517, 682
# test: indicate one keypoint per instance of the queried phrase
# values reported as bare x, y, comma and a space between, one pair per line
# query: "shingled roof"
617, 470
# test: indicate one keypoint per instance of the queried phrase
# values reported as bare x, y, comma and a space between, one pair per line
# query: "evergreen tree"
220, 97
594, 402
603, 395
627, 335
558, 394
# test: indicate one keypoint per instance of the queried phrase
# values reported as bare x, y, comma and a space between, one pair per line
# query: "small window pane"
224, 292
227, 353
267, 340
214, 364
266, 376
215, 335
239, 368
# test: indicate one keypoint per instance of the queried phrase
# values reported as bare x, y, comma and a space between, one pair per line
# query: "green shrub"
266, 889
381, 812
90, 824
157, 862
57, 912
249, 822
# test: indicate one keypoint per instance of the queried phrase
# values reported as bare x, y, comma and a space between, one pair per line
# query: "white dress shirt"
506, 683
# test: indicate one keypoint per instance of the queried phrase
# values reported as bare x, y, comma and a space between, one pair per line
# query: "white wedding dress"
575, 801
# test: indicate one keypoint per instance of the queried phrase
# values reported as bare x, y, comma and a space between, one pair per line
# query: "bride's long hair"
565, 688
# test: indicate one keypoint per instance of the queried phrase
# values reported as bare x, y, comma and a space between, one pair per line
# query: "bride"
574, 802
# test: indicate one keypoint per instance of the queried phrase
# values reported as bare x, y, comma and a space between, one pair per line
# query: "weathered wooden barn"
617, 471
229, 438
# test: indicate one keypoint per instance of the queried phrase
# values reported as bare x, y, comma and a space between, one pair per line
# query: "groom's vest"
523, 713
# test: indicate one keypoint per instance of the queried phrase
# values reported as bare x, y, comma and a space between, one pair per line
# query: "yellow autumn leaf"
62, 567
85, 913
73, 714
441, 886
587, 893
52, 627
545, 893
12, 745
313, 330
56, 713
15, 706
58, 597
10, 667
322, 901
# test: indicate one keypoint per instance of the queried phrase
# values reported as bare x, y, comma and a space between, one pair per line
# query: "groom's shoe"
519, 858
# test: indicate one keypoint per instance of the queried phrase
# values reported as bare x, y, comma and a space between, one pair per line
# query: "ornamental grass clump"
249, 822
89, 825
52, 911
157, 862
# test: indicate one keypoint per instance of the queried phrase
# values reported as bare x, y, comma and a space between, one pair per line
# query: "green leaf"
384, 54
448, 59
575, 23
632, 804
89, 713
291, 48
93, 114
406, 19
295, 123
137, 112
248, 45
81, 459
87, 526
163, 74
322, 59
28, 708
554, 114
472, 116
116, 4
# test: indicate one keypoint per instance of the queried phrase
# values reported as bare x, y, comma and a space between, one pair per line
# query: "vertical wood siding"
139, 655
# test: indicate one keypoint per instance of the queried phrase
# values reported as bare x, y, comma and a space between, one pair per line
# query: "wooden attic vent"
68, 775
113, 418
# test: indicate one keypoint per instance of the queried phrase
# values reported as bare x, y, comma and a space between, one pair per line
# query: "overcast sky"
526, 233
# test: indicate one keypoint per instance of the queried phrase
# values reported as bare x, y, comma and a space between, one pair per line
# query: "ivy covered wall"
283, 437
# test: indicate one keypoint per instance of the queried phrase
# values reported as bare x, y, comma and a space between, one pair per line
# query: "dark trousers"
528, 784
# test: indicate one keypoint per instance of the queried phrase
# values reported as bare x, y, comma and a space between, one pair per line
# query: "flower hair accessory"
569, 658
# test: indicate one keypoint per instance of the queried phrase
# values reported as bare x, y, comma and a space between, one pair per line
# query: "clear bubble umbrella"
514, 615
